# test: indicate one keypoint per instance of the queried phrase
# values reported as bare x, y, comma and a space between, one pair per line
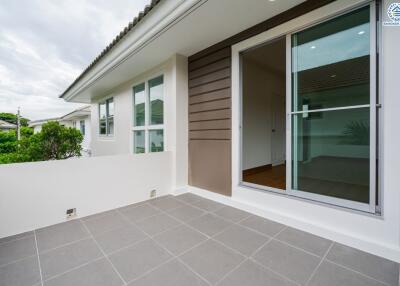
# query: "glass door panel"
331, 101
330, 63
331, 153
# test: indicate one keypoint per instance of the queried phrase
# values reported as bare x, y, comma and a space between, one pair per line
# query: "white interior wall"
90, 185
259, 87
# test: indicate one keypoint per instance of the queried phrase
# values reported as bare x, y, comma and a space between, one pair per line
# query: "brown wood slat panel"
212, 86
210, 134
218, 104
221, 64
210, 165
210, 115
217, 55
220, 74
210, 160
212, 124
214, 95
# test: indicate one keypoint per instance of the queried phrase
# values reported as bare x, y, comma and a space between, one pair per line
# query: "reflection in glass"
330, 63
331, 153
139, 142
110, 116
139, 105
102, 118
156, 140
156, 101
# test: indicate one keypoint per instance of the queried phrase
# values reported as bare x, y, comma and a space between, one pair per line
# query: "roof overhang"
77, 114
171, 27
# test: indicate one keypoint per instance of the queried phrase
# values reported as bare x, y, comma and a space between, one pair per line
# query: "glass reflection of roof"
344, 45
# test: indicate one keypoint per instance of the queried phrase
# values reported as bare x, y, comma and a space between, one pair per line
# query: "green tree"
12, 118
8, 142
54, 142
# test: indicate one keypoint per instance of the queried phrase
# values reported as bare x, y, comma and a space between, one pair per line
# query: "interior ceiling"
198, 30
271, 56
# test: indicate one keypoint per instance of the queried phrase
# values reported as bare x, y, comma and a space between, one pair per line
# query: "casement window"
106, 117
148, 116
82, 127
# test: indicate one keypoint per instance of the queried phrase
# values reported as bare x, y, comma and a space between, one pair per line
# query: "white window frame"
286, 30
106, 102
147, 126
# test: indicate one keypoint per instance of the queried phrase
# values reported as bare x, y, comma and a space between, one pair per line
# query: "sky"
46, 44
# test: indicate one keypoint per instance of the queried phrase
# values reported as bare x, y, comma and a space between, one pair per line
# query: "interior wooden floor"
270, 176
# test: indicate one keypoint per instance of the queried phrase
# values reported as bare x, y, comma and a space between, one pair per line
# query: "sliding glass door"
332, 111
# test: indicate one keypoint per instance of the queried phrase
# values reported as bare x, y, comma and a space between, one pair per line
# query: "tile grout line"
250, 257
65, 244
73, 268
221, 243
38, 258
297, 248
266, 267
172, 254
183, 223
192, 270
275, 272
16, 239
355, 271
319, 264
288, 244
16, 261
104, 254
231, 271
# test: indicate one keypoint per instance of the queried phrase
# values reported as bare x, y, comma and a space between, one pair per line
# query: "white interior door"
278, 142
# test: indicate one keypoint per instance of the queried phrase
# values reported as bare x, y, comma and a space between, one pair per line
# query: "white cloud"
45, 45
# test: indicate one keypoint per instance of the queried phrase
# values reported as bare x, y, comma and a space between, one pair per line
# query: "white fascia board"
152, 26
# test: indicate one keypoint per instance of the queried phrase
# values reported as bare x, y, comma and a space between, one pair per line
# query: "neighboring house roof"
116, 40
77, 113
7, 125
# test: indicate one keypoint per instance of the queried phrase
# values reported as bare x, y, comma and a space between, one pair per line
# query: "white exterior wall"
376, 234
37, 128
88, 130
175, 117
90, 185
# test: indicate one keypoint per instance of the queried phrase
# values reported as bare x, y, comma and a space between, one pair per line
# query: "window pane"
110, 106
331, 153
156, 140
139, 142
102, 118
102, 125
139, 105
110, 126
82, 127
330, 63
156, 100
102, 111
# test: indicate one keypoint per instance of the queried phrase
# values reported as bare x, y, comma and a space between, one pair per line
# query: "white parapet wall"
34, 195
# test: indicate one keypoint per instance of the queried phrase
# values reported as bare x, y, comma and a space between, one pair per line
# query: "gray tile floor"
183, 241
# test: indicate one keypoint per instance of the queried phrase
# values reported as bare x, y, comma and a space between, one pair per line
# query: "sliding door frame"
287, 30
366, 207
